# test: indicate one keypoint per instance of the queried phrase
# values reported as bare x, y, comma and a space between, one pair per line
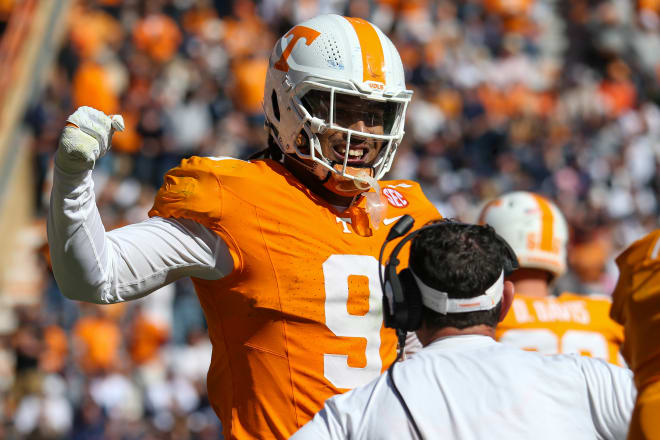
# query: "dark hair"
272, 151
463, 260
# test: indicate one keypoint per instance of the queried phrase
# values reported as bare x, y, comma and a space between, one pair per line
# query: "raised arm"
127, 263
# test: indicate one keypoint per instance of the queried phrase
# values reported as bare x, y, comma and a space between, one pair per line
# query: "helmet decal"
298, 32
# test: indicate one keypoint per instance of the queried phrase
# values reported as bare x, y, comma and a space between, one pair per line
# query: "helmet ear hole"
303, 142
276, 107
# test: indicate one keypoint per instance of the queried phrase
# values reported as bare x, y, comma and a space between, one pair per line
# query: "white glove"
82, 145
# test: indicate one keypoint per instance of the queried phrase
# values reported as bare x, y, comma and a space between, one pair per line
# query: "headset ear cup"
388, 314
392, 297
413, 300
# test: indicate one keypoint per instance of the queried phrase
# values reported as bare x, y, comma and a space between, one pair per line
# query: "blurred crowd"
553, 96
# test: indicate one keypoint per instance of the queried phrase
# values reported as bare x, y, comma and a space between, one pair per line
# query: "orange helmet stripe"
484, 211
547, 223
373, 59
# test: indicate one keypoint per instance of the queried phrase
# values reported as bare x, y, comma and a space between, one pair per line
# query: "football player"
539, 321
282, 250
636, 305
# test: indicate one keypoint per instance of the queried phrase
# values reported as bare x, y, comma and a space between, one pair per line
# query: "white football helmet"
533, 226
332, 62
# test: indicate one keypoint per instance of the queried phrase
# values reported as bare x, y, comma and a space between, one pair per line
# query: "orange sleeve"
192, 191
644, 424
636, 305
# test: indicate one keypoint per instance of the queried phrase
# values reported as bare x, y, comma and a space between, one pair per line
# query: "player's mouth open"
356, 155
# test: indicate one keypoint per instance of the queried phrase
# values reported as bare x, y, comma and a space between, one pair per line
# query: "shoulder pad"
644, 251
638, 264
401, 185
192, 190
599, 297
217, 165
405, 193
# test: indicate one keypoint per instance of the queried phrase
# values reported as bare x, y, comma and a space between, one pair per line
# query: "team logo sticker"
395, 198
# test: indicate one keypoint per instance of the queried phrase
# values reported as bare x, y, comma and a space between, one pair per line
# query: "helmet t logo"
298, 32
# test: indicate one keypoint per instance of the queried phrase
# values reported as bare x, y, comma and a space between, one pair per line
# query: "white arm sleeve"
127, 263
612, 396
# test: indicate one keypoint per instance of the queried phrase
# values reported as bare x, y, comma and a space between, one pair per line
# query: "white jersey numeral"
545, 341
585, 342
336, 271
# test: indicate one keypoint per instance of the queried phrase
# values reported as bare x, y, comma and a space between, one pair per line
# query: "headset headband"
404, 225
405, 295
440, 302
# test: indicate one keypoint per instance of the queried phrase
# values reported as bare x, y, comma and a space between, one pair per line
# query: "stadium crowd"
539, 95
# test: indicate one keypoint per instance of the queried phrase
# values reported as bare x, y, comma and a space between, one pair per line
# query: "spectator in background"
97, 339
6, 7
156, 34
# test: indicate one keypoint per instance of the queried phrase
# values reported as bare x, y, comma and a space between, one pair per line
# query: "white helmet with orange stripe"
533, 226
335, 97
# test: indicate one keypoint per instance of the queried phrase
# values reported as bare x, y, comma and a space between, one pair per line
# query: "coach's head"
459, 270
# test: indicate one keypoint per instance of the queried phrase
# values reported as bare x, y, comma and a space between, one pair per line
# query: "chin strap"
311, 168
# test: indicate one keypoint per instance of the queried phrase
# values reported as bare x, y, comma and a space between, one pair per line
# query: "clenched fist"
86, 139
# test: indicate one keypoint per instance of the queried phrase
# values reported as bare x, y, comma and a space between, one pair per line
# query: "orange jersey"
300, 317
566, 324
636, 305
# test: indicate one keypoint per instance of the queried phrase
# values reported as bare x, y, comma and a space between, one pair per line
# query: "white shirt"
471, 387
126, 263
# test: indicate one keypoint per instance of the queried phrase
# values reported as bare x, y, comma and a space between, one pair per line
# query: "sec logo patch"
395, 198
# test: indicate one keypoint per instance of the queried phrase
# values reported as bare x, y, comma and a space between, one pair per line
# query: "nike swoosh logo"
387, 221
400, 185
